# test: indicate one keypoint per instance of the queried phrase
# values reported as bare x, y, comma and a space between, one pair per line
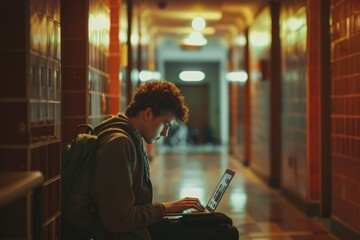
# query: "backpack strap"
103, 135
87, 127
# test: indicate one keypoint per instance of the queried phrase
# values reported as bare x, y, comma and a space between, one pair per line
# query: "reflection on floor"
258, 212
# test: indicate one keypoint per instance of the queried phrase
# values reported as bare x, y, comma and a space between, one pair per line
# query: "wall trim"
272, 181
310, 209
343, 231
246, 162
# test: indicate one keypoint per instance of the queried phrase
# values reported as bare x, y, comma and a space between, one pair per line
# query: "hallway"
257, 211
279, 85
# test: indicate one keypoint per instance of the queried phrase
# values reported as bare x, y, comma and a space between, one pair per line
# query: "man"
121, 186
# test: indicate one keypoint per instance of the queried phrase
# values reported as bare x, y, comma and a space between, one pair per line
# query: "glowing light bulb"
192, 76
198, 23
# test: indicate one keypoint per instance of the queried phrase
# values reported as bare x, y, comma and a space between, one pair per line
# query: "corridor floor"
258, 212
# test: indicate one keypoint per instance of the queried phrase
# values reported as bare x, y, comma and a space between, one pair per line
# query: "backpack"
79, 218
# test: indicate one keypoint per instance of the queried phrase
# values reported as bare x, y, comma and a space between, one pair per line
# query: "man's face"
156, 127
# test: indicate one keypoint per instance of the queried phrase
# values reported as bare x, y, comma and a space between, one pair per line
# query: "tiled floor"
258, 212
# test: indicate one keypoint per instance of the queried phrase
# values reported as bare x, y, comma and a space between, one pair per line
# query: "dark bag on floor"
217, 226
217, 218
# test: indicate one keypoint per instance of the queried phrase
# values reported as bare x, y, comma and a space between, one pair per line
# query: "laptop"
215, 197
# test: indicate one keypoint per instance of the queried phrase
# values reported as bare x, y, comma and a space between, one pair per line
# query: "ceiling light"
192, 76
240, 40
237, 76
260, 39
195, 38
198, 23
146, 75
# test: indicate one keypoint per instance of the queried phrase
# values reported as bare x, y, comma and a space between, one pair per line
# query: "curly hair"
162, 97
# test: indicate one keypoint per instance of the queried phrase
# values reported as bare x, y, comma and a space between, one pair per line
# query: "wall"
294, 102
114, 57
237, 102
51, 67
259, 51
86, 79
98, 60
240, 125
30, 56
345, 132
75, 109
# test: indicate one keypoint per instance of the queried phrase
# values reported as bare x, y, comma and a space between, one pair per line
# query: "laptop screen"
220, 190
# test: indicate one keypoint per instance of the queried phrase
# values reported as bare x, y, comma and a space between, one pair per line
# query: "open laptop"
215, 197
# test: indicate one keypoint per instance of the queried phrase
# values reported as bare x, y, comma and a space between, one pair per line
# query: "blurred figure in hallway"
179, 136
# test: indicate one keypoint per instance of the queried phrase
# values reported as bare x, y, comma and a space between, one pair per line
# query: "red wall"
50, 70
31, 109
345, 132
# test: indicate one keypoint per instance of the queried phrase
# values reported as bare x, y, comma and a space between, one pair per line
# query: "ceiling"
225, 18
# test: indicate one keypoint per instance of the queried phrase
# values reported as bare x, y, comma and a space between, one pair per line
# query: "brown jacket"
121, 185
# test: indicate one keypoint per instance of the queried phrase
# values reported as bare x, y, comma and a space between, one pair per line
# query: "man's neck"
136, 123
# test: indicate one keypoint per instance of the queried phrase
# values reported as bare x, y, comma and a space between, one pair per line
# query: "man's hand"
183, 204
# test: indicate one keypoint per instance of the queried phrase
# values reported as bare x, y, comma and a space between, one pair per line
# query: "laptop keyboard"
194, 211
190, 210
